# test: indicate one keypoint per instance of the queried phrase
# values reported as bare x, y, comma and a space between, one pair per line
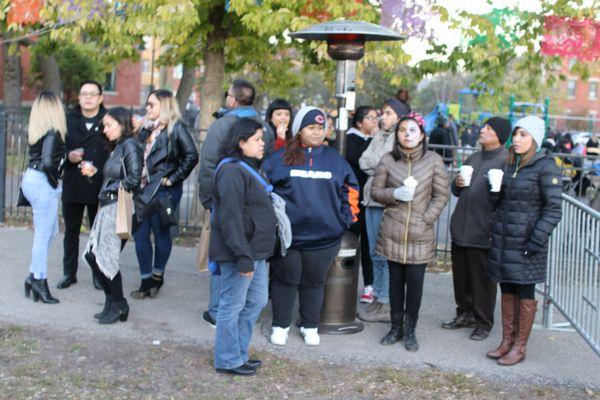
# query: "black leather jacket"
47, 155
172, 156
127, 155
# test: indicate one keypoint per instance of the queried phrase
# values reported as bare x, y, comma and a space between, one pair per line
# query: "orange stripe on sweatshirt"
353, 196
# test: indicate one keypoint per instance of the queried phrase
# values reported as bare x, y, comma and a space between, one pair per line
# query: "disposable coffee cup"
466, 171
411, 183
495, 178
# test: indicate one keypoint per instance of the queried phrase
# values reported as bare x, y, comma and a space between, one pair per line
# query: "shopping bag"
204, 242
124, 214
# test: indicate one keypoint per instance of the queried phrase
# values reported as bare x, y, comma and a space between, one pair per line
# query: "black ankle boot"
105, 309
158, 280
40, 290
147, 289
28, 283
410, 339
118, 310
397, 332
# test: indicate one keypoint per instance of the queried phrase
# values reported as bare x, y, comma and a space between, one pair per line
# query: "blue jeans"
381, 272
241, 301
215, 292
162, 237
44, 203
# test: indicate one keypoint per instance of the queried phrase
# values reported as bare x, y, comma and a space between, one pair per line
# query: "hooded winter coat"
406, 233
527, 209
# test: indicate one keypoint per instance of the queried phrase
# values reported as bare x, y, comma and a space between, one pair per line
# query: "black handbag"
166, 211
22, 200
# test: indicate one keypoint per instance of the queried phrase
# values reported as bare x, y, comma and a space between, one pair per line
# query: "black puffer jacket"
46, 155
173, 155
124, 166
527, 209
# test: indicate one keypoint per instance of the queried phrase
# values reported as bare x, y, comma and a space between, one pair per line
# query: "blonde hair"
169, 109
47, 113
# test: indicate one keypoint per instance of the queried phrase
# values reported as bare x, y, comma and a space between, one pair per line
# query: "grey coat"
470, 223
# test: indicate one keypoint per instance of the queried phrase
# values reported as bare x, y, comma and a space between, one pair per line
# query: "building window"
571, 88
110, 83
593, 90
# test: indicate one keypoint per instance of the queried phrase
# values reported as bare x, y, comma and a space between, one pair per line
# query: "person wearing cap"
382, 143
525, 212
414, 186
321, 195
474, 291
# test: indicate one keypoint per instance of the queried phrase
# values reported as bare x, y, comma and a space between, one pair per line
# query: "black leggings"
406, 287
524, 292
113, 289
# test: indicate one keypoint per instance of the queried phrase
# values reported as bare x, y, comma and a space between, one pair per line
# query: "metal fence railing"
573, 280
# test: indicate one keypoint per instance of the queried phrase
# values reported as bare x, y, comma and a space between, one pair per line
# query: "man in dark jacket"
474, 291
441, 135
238, 104
85, 141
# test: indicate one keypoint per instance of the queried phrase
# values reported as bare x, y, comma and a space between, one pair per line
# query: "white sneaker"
311, 336
279, 335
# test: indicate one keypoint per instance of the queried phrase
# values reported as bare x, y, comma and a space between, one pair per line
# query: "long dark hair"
360, 114
243, 129
397, 152
293, 154
123, 118
280, 104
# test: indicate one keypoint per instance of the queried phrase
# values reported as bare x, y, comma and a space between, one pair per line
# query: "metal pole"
344, 91
3, 123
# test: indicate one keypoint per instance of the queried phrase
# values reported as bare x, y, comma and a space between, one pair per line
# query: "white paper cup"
466, 171
411, 183
495, 178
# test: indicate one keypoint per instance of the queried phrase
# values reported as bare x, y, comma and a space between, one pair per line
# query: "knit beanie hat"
399, 108
501, 126
535, 126
308, 116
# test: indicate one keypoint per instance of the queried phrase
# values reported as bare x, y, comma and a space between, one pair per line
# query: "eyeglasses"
89, 94
371, 117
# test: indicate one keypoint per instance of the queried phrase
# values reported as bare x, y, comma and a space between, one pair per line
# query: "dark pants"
524, 292
303, 271
162, 237
73, 216
113, 289
474, 291
359, 230
406, 288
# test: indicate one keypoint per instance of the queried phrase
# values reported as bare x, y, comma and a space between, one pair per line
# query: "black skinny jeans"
303, 271
524, 292
406, 288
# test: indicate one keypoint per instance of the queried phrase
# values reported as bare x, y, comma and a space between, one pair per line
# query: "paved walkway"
553, 357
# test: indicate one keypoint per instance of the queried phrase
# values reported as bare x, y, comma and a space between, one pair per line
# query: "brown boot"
527, 309
510, 321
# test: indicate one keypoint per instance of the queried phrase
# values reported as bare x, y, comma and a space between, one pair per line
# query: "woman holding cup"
527, 198
413, 184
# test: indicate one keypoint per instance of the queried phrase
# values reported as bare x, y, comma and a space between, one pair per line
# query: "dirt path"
42, 364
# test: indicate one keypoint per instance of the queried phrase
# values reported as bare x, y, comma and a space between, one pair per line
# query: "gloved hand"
404, 193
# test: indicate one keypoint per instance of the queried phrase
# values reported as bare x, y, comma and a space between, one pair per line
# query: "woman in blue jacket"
321, 194
242, 238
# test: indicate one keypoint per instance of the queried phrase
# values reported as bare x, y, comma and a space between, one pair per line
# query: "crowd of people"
278, 198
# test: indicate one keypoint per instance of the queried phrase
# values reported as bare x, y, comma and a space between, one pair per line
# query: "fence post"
3, 124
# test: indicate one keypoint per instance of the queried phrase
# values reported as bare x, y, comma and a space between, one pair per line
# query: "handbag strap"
268, 187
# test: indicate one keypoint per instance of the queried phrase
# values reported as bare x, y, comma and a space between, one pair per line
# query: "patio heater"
345, 44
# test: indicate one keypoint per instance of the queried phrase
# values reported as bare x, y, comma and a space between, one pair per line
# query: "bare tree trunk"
186, 85
211, 85
50, 73
12, 76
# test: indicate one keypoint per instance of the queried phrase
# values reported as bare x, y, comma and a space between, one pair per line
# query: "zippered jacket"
527, 209
406, 233
321, 196
470, 223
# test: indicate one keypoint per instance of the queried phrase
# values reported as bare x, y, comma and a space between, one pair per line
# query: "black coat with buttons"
527, 209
